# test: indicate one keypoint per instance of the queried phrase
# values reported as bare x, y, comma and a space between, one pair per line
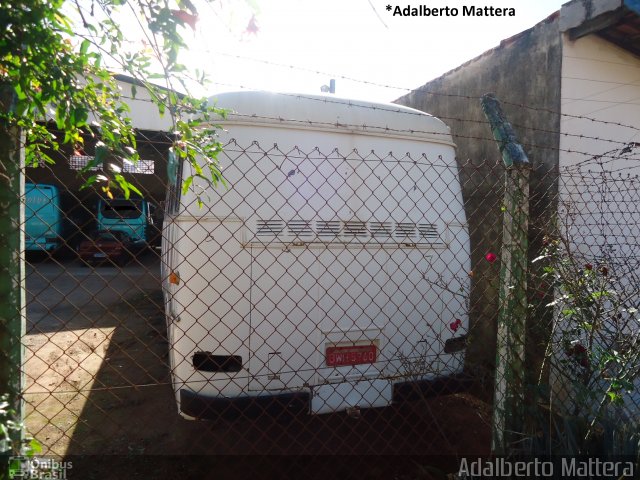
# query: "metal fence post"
12, 292
510, 369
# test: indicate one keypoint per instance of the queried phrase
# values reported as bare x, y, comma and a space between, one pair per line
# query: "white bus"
331, 270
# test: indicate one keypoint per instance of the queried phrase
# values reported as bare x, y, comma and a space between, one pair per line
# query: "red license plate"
351, 355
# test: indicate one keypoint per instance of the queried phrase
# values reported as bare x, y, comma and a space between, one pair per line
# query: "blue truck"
133, 216
43, 217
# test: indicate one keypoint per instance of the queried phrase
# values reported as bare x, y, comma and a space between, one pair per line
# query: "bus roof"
323, 112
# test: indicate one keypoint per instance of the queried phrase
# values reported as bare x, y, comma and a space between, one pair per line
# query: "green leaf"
197, 167
172, 167
102, 152
186, 184
80, 114
33, 447
84, 47
616, 397
19, 92
47, 61
123, 184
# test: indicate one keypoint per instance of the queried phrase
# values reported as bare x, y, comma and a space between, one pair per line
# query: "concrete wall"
523, 70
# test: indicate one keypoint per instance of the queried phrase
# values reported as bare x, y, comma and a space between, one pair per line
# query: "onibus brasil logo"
38, 468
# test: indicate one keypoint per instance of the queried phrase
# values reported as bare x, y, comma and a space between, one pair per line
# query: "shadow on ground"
130, 414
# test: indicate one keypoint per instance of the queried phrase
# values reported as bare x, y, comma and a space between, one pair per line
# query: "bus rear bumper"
204, 407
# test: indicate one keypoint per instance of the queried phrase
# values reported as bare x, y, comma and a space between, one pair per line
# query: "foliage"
10, 430
58, 72
594, 346
56, 62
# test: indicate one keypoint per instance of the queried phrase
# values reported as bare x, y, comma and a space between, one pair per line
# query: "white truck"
331, 270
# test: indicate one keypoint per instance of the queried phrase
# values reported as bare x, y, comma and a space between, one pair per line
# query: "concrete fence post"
12, 293
508, 409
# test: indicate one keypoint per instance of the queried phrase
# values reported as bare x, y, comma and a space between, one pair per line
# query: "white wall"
144, 113
600, 82
599, 188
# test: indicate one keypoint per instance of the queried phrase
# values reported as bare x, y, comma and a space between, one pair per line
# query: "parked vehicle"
43, 217
55, 220
134, 216
112, 246
326, 276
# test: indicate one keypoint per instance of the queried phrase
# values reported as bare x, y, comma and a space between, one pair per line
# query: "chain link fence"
326, 300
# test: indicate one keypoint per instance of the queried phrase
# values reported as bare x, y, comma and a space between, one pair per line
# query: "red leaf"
185, 17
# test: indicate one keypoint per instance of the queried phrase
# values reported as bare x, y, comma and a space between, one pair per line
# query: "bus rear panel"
332, 269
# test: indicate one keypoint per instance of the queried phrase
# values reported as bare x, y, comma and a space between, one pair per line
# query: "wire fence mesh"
318, 283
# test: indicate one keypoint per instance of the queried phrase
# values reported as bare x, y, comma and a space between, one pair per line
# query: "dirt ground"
101, 395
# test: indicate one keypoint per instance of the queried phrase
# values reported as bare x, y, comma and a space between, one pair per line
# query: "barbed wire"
383, 85
359, 104
422, 90
413, 131
590, 156
422, 114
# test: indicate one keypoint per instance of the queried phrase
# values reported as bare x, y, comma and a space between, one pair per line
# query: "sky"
345, 39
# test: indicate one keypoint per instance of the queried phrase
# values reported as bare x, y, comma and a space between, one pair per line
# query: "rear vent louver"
299, 228
269, 227
381, 229
428, 231
355, 229
405, 229
328, 228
